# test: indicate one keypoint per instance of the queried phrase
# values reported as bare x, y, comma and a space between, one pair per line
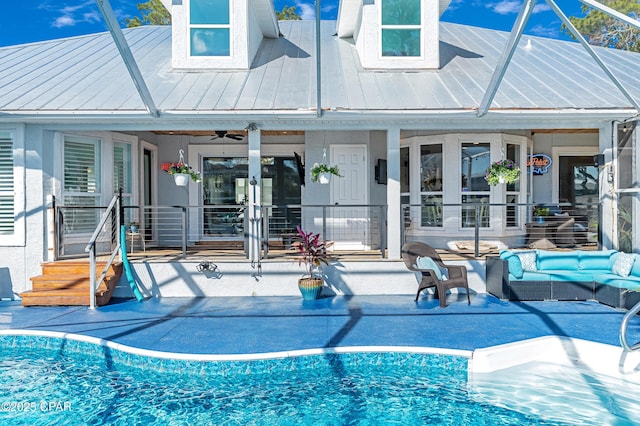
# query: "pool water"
60, 381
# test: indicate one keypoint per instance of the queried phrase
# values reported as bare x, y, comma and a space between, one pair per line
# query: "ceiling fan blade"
236, 137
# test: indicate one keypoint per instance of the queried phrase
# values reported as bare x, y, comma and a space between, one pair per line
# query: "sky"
26, 21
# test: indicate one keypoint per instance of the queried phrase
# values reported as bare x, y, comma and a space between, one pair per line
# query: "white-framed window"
475, 192
7, 183
513, 210
401, 28
210, 28
431, 185
81, 182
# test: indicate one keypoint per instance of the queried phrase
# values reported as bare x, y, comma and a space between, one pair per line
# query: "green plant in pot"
540, 213
312, 251
322, 172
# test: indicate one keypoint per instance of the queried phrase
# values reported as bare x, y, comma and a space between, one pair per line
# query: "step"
60, 282
75, 267
64, 297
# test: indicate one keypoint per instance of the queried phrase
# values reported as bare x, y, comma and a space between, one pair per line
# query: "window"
475, 193
401, 28
431, 185
7, 202
122, 174
81, 182
210, 27
513, 189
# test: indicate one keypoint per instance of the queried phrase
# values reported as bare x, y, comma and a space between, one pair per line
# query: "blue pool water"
47, 380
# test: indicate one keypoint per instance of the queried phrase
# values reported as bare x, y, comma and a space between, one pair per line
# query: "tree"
288, 14
153, 13
600, 29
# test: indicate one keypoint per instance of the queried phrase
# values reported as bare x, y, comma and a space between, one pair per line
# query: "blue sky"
26, 21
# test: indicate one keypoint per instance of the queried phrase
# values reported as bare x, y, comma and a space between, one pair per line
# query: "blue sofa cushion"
571, 276
623, 264
596, 260
635, 270
631, 283
515, 266
531, 276
557, 260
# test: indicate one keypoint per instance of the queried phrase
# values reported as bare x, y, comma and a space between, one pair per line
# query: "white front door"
348, 226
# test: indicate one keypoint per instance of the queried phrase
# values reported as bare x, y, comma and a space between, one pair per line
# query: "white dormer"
393, 34
220, 34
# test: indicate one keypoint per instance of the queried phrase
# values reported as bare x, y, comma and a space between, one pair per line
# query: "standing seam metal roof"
87, 74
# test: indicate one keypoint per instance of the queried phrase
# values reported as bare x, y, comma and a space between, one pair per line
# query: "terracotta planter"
181, 179
310, 288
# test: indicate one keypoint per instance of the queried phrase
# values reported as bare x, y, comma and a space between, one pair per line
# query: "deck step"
67, 283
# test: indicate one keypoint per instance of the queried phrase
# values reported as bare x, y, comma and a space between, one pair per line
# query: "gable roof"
86, 76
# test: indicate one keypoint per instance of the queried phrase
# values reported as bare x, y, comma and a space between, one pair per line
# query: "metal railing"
354, 228
623, 329
106, 234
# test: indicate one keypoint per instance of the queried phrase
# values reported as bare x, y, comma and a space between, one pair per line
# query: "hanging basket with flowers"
503, 171
321, 173
181, 171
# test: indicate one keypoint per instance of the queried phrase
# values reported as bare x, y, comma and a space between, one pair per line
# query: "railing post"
476, 237
92, 276
265, 231
324, 222
383, 231
184, 232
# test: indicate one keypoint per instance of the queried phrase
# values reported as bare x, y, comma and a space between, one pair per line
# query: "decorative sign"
539, 164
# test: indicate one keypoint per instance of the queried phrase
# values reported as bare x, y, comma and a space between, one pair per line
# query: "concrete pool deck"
253, 325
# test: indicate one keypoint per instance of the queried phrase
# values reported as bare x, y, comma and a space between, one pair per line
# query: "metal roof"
87, 75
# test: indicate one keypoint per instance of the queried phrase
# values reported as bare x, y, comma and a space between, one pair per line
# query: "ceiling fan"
220, 134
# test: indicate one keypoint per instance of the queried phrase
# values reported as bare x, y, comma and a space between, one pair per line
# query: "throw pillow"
528, 260
515, 266
623, 264
425, 262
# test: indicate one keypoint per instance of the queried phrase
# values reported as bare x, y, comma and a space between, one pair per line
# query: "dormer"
220, 34
393, 34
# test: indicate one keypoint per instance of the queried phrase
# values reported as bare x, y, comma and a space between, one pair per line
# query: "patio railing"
465, 228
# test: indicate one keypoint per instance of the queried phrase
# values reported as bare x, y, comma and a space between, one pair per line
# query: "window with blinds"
81, 182
7, 203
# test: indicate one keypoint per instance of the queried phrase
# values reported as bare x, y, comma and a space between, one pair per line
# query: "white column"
393, 194
253, 208
608, 222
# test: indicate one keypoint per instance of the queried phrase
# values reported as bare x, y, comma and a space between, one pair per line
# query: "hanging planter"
503, 171
321, 173
181, 171
181, 179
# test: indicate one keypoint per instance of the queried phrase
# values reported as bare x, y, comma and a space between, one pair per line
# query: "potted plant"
312, 252
503, 171
540, 213
181, 173
322, 172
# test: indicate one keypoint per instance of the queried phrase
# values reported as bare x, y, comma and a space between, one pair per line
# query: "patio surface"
242, 325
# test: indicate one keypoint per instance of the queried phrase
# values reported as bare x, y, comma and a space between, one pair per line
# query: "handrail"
91, 249
623, 329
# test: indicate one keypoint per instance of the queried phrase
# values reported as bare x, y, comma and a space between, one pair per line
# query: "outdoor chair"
456, 276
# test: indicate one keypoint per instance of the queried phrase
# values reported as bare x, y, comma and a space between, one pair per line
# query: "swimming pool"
47, 379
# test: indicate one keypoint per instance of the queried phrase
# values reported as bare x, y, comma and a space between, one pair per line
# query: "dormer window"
219, 34
401, 27
210, 28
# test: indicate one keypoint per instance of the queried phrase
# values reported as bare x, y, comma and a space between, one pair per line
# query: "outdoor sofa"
609, 277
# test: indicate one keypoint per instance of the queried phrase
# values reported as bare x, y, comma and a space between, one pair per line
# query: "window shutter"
7, 213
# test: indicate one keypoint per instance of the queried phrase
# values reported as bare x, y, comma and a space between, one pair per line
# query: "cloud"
307, 11
545, 31
71, 14
505, 7
541, 8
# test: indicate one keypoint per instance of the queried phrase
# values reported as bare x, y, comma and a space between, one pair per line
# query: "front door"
349, 226
578, 181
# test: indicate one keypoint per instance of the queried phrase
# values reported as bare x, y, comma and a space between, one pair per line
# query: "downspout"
127, 56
